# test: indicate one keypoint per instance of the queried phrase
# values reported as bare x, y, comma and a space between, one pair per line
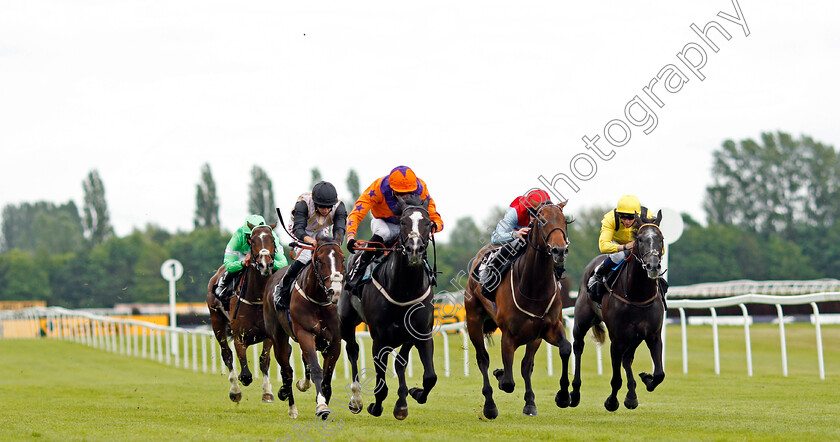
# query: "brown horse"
314, 317
243, 318
633, 311
528, 309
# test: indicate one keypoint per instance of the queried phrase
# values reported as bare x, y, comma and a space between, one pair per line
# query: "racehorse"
243, 318
397, 307
528, 309
633, 311
314, 323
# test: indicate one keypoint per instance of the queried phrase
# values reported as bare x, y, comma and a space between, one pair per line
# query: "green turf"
55, 390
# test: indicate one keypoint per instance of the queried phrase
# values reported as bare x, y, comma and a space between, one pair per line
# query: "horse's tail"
599, 334
488, 329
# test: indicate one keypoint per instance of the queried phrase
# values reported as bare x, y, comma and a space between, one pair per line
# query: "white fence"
188, 348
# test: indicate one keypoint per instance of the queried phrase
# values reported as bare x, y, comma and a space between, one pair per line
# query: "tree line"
771, 212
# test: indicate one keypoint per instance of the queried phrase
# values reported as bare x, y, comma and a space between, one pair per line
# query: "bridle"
652, 251
537, 229
322, 279
401, 247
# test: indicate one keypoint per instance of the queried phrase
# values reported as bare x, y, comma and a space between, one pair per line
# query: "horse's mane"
323, 237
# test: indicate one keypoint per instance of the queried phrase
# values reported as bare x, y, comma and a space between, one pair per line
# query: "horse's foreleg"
505, 376
427, 357
654, 343
217, 320
579, 334
282, 352
527, 369
245, 376
616, 353
331, 355
482, 358
400, 363
265, 363
310, 354
305, 383
352, 347
630, 400
556, 335
380, 362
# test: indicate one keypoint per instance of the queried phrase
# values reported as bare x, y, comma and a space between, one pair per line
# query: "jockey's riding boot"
595, 285
222, 283
284, 289
359, 272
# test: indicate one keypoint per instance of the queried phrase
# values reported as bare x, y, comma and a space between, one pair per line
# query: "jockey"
314, 211
238, 256
511, 233
616, 240
382, 199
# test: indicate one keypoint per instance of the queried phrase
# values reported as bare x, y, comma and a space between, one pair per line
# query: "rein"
625, 274
401, 250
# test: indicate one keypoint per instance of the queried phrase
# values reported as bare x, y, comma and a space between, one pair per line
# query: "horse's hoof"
498, 373
375, 410
303, 385
236, 397
507, 387
293, 413
283, 393
611, 404
245, 379
529, 410
490, 411
401, 412
631, 403
417, 394
648, 379
575, 399
322, 412
562, 399
354, 406
268, 397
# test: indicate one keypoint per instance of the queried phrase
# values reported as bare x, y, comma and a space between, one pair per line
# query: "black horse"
397, 307
633, 311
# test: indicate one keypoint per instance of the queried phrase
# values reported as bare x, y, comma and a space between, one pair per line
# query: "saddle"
501, 259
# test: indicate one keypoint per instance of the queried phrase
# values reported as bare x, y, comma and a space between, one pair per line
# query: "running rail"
184, 347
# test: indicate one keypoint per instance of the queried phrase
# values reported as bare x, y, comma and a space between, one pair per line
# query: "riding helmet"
254, 220
324, 194
629, 204
402, 180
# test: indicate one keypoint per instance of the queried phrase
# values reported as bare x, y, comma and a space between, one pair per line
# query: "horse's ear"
562, 204
272, 226
658, 218
426, 203
638, 221
250, 226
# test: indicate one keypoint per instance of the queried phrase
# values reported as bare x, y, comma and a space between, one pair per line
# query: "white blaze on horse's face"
414, 236
336, 278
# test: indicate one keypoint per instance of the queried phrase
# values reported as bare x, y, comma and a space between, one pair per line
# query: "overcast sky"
480, 98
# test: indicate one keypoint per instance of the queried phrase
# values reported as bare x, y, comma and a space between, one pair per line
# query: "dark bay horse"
397, 307
314, 317
528, 309
243, 317
633, 311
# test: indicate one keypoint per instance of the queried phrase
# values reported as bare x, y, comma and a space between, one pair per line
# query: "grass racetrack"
58, 390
